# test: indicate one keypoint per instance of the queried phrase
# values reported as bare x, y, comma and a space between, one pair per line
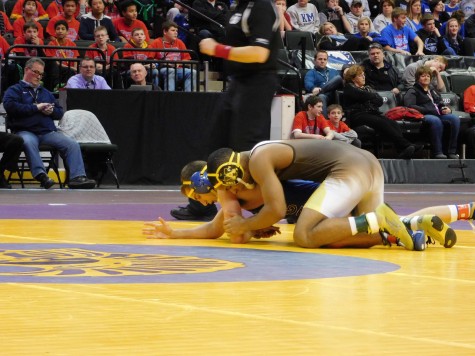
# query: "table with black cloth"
157, 132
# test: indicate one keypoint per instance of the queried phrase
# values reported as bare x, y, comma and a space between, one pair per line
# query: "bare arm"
162, 230
246, 54
420, 46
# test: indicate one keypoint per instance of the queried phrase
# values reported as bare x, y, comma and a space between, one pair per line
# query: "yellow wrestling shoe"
434, 228
389, 222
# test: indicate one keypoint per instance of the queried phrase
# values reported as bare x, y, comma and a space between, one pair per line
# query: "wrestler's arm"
231, 208
245, 54
162, 230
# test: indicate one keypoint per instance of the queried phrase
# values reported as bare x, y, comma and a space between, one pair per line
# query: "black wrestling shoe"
82, 182
183, 213
3, 182
45, 181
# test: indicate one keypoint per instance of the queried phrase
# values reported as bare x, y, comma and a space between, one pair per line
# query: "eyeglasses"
37, 72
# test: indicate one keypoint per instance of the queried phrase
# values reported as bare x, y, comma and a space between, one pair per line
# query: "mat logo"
77, 262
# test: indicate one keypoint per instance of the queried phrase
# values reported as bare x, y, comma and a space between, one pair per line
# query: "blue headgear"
199, 183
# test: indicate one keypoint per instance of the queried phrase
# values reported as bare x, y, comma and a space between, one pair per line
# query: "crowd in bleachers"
386, 45
381, 49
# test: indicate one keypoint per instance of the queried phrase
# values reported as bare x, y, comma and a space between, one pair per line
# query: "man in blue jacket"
32, 110
322, 80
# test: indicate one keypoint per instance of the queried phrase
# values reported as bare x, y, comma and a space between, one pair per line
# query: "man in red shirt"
172, 72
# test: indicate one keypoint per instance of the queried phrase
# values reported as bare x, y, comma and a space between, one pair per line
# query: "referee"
250, 53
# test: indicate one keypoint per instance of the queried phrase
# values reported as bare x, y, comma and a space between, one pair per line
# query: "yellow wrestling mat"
88, 287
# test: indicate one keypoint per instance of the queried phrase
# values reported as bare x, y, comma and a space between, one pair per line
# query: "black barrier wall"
157, 132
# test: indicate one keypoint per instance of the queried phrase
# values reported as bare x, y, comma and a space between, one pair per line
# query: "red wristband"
222, 51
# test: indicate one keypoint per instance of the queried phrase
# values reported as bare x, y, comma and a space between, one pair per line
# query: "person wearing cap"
304, 16
400, 38
356, 13
366, 7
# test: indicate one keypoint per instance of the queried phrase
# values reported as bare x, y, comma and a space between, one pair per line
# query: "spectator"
356, 14
94, 19
400, 38
437, 64
437, 7
30, 36
335, 14
460, 17
364, 32
285, 22
60, 71
428, 102
414, 15
128, 22
304, 16
171, 72
29, 10
31, 110
138, 75
101, 42
179, 15
365, 4
68, 14
6, 28
101, 39
215, 10
56, 7
384, 18
322, 80
341, 130
332, 40
362, 106
460, 45
379, 73
137, 41
451, 6
429, 34
18, 11
87, 78
311, 124
11, 145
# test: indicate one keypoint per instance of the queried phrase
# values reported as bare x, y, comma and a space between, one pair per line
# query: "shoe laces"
430, 240
384, 237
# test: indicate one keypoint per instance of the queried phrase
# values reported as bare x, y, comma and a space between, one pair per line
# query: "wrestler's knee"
303, 237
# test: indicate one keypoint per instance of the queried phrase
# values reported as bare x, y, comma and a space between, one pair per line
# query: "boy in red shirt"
311, 123
66, 69
17, 12
29, 11
69, 8
138, 41
341, 130
29, 36
170, 40
125, 24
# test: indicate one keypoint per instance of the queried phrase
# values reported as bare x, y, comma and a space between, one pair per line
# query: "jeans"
436, 128
327, 93
67, 147
184, 75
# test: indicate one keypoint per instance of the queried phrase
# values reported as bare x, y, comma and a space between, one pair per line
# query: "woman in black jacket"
428, 102
362, 105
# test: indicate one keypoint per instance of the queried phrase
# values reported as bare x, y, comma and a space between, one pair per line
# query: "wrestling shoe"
389, 222
434, 228
418, 238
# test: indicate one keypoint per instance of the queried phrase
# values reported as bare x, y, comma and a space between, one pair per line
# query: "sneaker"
45, 181
3, 182
419, 239
82, 182
436, 229
440, 156
183, 213
453, 156
389, 222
